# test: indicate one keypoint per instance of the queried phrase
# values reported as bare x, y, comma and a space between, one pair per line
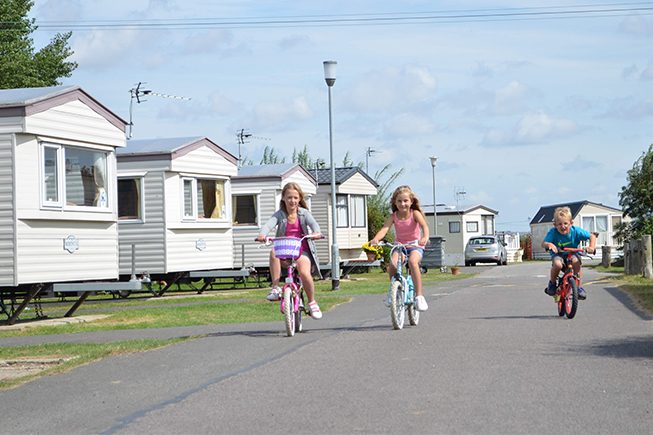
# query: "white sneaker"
275, 294
387, 299
420, 304
314, 308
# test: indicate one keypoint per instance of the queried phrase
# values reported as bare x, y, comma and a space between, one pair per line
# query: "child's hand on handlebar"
423, 241
261, 238
591, 250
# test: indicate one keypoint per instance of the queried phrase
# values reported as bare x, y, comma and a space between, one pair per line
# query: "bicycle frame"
402, 289
292, 300
567, 286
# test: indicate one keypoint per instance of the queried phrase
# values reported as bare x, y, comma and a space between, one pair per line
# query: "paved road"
490, 356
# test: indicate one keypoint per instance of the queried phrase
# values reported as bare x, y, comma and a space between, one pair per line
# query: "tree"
636, 198
378, 206
270, 157
302, 157
348, 163
20, 67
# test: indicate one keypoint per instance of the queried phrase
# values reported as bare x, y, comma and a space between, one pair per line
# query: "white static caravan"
353, 186
256, 195
58, 206
175, 205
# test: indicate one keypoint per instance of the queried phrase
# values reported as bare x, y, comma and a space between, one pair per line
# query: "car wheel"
467, 263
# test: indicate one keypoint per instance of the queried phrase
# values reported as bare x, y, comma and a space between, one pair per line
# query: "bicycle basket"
287, 247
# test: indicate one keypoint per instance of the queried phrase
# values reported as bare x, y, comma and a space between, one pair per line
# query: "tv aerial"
136, 94
459, 193
243, 135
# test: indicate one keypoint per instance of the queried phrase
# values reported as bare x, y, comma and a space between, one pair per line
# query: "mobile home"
175, 205
256, 193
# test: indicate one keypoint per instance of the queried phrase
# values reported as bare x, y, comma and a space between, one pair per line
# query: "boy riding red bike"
565, 235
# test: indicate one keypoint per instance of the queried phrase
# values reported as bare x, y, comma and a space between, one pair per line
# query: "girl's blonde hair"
562, 212
405, 189
292, 186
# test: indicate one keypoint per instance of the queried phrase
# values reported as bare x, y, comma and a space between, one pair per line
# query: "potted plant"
373, 252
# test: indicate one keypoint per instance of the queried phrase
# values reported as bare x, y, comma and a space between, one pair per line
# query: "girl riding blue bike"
410, 224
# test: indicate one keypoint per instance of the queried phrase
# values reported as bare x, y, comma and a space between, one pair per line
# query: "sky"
525, 104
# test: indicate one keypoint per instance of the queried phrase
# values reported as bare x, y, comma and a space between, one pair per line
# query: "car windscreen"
482, 241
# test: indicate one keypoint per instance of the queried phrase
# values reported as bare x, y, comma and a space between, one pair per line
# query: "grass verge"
79, 354
637, 287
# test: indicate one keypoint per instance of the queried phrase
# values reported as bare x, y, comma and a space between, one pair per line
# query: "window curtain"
602, 228
100, 178
209, 198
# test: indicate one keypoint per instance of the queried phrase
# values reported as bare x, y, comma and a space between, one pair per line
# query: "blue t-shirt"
571, 240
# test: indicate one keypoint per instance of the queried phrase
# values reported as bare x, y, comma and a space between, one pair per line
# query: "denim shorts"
410, 249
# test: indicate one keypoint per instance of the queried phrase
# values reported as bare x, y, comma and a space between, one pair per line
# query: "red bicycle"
567, 286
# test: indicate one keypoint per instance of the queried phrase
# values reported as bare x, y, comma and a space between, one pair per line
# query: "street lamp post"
330, 77
435, 213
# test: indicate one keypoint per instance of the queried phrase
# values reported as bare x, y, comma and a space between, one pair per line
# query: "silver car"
485, 249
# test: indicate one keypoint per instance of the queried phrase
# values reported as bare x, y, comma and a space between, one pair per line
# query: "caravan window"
203, 199
342, 211
244, 209
74, 177
130, 198
358, 215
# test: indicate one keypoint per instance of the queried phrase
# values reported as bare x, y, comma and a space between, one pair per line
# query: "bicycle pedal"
556, 297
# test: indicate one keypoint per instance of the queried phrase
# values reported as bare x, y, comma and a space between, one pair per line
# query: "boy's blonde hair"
562, 212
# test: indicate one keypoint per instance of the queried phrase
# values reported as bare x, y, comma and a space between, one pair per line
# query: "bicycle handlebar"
397, 244
269, 240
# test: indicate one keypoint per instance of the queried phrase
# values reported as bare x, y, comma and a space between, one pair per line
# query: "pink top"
407, 230
295, 230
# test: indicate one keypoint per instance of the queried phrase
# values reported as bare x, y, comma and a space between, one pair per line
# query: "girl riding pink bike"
294, 220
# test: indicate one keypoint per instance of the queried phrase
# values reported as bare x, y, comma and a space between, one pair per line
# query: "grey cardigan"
309, 226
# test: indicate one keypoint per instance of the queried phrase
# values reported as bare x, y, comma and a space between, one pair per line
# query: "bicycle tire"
298, 313
561, 306
288, 311
397, 311
571, 303
413, 314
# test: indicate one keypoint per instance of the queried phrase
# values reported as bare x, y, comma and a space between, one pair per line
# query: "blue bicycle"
402, 290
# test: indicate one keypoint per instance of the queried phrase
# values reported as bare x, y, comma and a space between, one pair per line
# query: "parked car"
485, 249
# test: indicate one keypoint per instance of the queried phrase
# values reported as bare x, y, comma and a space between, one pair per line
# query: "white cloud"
272, 114
61, 10
391, 88
510, 99
647, 74
409, 125
293, 41
101, 50
534, 127
481, 197
636, 25
206, 42
629, 108
580, 164
221, 105
482, 70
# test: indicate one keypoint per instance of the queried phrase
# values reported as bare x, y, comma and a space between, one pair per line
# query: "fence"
637, 257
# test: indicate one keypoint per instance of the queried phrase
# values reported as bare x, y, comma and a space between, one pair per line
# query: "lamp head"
330, 72
433, 161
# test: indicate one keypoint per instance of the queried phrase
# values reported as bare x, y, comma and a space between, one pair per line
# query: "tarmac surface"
490, 355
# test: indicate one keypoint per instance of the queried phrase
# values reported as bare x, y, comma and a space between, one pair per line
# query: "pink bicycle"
292, 301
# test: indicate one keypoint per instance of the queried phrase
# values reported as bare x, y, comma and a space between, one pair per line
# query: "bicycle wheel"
298, 314
288, 311
571, 302
397, 311
561, 306
413, 314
